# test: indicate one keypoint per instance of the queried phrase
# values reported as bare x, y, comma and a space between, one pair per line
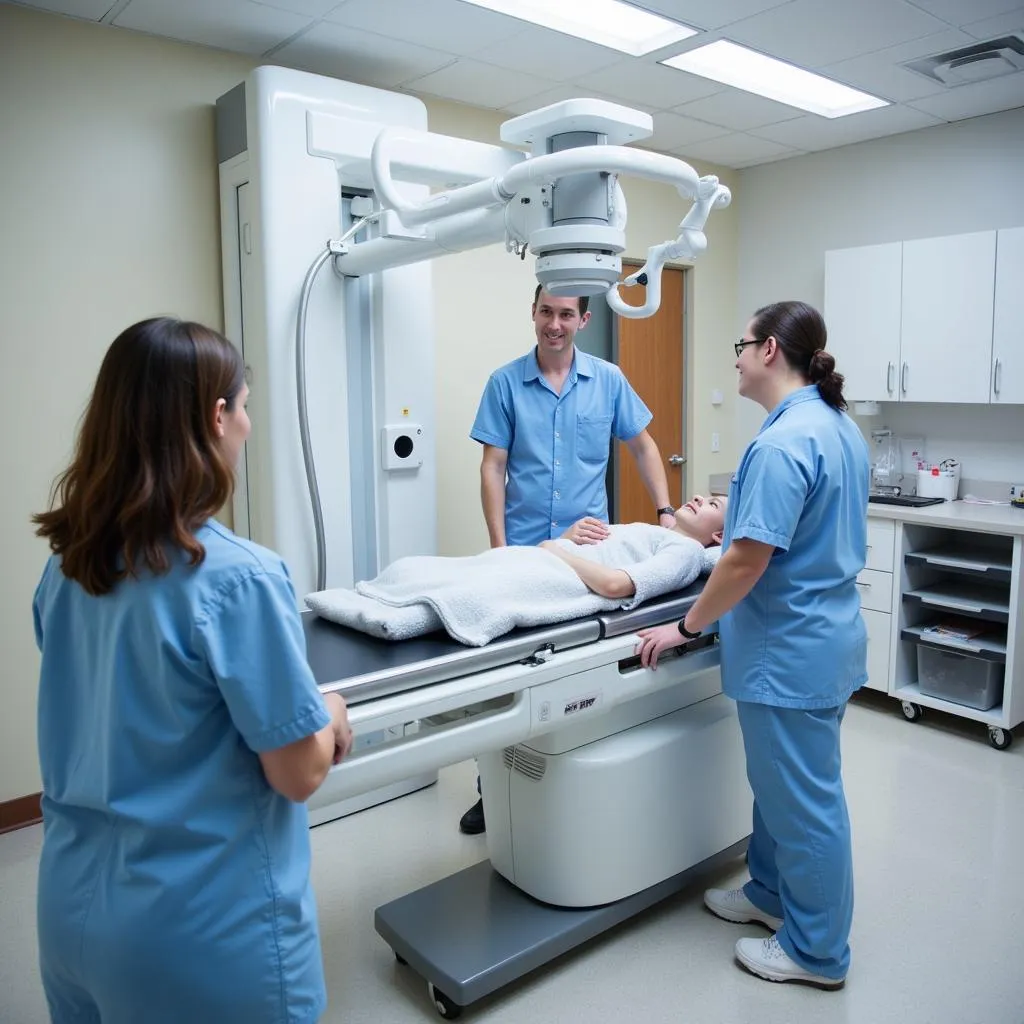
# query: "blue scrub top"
797, 639
164, 845
558, 445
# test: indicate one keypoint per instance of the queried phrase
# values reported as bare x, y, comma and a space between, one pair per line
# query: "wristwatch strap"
668, 510
683, 631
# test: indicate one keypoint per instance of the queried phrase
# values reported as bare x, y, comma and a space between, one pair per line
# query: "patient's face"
702, 518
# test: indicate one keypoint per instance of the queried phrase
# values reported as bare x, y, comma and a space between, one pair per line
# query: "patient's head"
702, 519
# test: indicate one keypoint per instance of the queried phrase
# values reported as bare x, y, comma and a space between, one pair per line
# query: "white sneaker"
768, 960
733, 905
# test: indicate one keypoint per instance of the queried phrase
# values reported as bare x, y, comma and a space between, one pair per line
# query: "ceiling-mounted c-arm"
563, 203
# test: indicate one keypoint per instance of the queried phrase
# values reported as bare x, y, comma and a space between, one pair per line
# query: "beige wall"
108, 201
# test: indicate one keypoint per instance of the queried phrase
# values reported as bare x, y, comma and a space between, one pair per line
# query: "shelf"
991, 563
912, 692
989, 603
988, 646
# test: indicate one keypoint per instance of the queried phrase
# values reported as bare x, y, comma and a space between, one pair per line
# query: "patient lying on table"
591, 568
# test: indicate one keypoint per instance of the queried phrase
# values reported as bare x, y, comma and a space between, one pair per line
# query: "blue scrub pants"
800, 856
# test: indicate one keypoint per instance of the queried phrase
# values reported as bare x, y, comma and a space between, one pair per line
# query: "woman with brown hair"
180, 728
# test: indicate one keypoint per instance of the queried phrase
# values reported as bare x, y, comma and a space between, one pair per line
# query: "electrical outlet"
716, 442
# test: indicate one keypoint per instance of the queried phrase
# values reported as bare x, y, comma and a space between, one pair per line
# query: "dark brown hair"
147, 470
800, 332
582, 301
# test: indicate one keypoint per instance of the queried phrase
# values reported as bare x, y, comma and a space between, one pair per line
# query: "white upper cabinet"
946, 334
862, 312
1008, 326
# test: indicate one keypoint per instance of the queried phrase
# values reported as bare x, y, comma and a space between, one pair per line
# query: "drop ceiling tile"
652, 85
311, 8
975, 99
567, 91
86, 10
708, 14
963, 12
238, 25
356, 56
814, 133
737, 110
814, 33
673, 130
480, 85
1002, 25
736, 149
551, 55
447, 25
880, 73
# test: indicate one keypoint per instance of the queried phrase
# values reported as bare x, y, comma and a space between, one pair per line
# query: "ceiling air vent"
977, 63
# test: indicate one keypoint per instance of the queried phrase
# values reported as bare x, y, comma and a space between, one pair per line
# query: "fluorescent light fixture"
746, 69
612, 23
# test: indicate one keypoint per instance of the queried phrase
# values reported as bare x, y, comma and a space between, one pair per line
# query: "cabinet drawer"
881, 544
875, 589
879, 627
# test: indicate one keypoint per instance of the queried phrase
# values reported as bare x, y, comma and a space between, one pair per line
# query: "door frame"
687, 395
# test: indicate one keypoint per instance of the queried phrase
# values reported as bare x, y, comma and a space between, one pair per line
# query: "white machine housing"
600, 810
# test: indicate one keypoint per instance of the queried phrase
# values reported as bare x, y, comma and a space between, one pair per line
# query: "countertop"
957, 515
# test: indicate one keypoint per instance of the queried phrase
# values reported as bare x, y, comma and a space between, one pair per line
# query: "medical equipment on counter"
939, 481
885, 474
584, 829
317, 172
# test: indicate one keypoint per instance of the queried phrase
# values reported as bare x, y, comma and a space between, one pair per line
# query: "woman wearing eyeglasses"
793, 643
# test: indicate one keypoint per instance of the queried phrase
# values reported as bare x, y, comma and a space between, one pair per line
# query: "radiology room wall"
955, 178
108, 201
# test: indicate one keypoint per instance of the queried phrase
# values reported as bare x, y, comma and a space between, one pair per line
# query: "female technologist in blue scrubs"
180, 727
793, 643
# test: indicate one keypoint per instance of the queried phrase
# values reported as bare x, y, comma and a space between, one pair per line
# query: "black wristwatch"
685, 632
668, 510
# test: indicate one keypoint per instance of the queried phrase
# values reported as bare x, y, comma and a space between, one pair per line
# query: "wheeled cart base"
472, 933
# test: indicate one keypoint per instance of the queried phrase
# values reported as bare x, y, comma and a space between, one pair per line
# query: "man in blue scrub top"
794, 646
546, 421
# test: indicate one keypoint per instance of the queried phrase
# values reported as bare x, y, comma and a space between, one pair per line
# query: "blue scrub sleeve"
495, 417
772, 493
252, 636
631, 415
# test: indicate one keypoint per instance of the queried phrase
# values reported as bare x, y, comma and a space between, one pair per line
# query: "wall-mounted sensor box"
401, 446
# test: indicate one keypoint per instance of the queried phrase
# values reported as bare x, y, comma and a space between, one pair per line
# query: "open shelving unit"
968, 582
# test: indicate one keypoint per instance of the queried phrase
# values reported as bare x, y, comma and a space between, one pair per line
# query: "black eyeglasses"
742, 344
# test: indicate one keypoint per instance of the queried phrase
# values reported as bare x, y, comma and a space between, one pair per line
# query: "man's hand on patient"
588, 530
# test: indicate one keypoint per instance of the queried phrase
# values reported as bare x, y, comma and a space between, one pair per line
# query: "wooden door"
651, 356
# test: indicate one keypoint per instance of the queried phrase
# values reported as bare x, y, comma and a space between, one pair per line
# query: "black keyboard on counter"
907, 500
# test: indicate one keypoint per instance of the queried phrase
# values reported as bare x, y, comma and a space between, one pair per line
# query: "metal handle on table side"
888, 377
677, 460
903, 378
997, 377
866, 586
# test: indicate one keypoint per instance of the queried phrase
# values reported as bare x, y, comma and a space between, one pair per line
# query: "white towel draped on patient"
480, 597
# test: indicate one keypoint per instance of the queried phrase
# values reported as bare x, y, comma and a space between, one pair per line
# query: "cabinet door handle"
888, 377
997, 377
903, 379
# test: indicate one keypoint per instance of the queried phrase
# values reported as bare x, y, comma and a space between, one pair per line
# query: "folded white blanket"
483, 596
